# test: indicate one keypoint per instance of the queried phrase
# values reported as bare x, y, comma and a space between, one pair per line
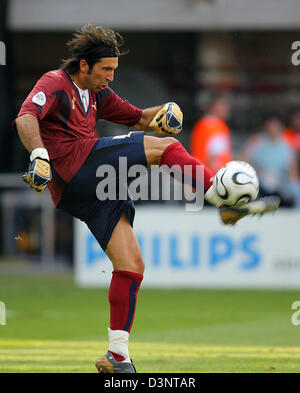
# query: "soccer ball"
236, 183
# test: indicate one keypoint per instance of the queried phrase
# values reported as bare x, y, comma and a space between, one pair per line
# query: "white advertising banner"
193, 249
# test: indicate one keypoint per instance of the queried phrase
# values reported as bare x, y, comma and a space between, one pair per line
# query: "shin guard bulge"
122, 298
176, 154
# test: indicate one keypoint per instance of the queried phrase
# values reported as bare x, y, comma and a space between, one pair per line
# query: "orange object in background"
292, 138
292, 133
211, 139
211, 142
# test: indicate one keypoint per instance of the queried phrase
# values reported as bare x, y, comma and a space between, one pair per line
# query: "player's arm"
163, 120
39, 172
147, 116
40, 102
29, 132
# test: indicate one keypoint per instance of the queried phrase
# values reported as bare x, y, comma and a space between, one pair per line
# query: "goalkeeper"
56, 124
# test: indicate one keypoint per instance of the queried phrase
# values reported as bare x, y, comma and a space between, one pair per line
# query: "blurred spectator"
292, 134
274, 161
211, 140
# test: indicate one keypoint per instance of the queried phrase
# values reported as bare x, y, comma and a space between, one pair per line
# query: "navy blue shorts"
79, 198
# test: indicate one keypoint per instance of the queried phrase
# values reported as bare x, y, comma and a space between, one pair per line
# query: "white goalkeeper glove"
39, 171
168, 120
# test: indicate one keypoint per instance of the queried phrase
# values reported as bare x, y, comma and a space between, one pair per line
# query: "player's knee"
166, 142
140, 265
169, 141
154, 148
136, 265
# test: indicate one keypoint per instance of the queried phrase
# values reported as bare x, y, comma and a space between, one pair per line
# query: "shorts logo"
39, 98
122, 136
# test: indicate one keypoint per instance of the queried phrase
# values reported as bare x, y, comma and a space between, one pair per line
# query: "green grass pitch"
53, 326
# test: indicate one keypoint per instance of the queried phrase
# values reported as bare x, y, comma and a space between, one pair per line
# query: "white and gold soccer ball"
236, 183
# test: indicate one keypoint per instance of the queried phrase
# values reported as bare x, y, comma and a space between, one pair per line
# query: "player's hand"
168, 121
39, 171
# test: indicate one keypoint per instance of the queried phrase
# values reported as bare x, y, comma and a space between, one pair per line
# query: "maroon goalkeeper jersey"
67, 131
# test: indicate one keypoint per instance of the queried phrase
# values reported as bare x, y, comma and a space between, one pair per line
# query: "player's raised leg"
125, 254
168, 151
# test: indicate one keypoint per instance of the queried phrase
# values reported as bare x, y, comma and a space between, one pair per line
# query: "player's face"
102, 73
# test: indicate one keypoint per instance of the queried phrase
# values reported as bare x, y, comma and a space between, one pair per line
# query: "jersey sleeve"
117, 110
42, 99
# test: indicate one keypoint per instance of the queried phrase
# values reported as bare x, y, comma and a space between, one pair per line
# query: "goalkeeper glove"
168, 121
39, 171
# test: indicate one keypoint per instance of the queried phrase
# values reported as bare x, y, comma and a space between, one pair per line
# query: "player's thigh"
123, 249
154, 147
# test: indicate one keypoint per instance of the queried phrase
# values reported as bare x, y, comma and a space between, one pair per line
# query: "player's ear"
84, 67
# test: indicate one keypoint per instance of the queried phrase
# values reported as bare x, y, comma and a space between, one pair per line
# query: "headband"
98, 52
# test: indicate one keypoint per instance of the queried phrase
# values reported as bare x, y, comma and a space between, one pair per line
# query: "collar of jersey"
80, 93
80, 100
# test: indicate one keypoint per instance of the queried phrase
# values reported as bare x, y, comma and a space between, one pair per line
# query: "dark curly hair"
91, 43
